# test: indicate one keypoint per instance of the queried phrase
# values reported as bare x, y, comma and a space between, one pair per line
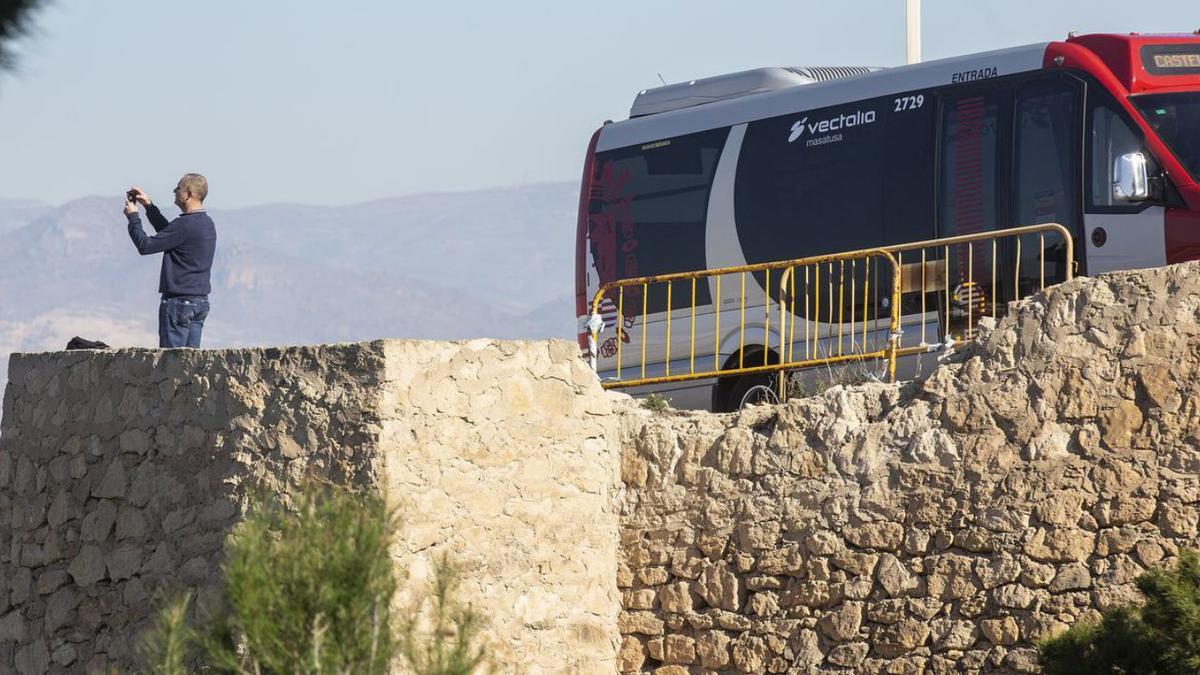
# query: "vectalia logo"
797, 130
843, 121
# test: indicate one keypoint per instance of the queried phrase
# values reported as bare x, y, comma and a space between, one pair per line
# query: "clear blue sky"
331, 103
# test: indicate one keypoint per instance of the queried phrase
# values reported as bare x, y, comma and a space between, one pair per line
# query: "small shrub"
308, 589
814, 381
166, 647
1161, 636
448, 643
800, 387
656, 403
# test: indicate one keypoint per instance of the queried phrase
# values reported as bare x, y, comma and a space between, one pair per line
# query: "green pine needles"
448, 645
1161, 637
308, 589
15, 17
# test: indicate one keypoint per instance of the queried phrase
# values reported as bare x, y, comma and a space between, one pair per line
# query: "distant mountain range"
494, 263
17, 212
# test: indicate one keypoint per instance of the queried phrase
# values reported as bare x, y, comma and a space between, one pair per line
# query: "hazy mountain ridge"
514, 246
495, 263
17, 212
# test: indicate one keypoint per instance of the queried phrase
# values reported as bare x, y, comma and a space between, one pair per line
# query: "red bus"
1100, 133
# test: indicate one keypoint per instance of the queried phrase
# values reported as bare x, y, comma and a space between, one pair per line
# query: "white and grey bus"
1100, 133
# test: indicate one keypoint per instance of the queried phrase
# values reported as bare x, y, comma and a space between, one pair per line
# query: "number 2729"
909, 102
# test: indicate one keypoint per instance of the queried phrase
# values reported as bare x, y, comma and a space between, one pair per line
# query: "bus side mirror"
1130, 180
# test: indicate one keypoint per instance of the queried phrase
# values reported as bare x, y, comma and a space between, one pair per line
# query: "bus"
1099, 133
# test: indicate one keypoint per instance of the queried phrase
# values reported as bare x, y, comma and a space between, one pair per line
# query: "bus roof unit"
666, 112
734, 85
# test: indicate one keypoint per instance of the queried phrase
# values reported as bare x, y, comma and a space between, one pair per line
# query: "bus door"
1119, 234
1046, 181
972, 159
1009, 156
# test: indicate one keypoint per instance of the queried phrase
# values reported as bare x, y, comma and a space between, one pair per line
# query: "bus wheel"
751, 390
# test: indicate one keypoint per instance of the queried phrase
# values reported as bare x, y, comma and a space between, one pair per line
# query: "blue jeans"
181, 320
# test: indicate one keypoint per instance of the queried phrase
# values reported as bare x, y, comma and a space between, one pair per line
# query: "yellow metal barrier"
835, 298
975, 295
801, 276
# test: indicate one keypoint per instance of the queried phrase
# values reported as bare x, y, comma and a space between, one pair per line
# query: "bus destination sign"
1177, 60
1171, 59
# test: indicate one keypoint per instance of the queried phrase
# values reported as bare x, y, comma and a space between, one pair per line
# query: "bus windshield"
1176, 118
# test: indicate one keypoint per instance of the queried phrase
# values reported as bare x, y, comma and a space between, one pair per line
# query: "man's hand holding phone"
133, 197
138, 195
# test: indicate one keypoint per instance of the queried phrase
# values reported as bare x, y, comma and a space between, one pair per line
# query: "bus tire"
752, 390
730, 390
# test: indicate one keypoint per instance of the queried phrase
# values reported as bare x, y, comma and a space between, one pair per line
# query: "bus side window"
970, 168
1045, 156
970, 161
1109, 137
647, 212
1045, 183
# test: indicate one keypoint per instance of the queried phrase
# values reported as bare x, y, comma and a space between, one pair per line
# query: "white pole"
914, 31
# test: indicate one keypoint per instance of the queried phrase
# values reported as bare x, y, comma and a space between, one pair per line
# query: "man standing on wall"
187, 244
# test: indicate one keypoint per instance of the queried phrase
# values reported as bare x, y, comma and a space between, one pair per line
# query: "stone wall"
941, 526
122, 472
504, 455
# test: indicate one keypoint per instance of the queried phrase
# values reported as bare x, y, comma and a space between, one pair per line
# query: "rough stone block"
900, 638
893, 577
112, 482
886, 611
98, 522
720, 587
1060, 545
841, 624
60, 608
712, 648
679, 649
124, 562
676, 597
1070, 578
88, 567
135, 441
848, 655
640, 623
12, 627
32, 659
632, 655
1002, 631
884, 536
764, 604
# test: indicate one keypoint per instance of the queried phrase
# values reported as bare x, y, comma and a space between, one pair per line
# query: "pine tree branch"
15, 18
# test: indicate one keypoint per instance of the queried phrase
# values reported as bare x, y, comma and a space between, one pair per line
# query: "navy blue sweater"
188, 244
